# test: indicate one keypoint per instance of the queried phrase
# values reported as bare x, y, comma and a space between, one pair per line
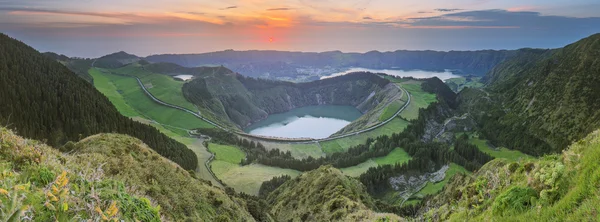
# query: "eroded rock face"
441, 131
407, 185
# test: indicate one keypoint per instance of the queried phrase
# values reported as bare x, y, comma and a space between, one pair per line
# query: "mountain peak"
120, 55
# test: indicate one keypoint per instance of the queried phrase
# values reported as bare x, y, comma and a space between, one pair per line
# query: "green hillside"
127, 95
115, 60
542, 100
559, 187
104, 177
43, 100
521, 143
324, 194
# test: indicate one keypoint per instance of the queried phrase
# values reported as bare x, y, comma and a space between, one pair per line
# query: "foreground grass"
227, 153
105, 177
560, 187
247, 178
126, 95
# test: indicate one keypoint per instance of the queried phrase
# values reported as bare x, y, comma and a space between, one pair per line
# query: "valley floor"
224, 167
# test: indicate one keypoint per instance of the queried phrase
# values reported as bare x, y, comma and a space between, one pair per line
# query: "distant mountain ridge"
116, 60
283, 64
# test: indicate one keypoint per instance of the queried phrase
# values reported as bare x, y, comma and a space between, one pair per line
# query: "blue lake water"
310, 121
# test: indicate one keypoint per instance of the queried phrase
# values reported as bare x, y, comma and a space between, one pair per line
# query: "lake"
310, 121
184, 77
400, 73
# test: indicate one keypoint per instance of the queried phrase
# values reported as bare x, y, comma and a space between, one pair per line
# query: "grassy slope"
457, 84
106, 87
513, 155
398, 155
500, 152
133, 95
356, 171
105, 83
230, 154
419, 99
324, 194
105, 168
162, 87
433, 188
560, 187
390, 110
247, 179
299, 151
341, 145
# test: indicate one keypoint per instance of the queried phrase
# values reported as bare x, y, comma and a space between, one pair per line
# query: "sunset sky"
91, 28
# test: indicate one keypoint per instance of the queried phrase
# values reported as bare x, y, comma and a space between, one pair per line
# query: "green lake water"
309, 121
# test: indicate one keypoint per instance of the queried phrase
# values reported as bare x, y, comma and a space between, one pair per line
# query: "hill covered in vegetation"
324, 194
115, 60
104, 177
558, 187
44, 100
79, 66
541, 100
244, 100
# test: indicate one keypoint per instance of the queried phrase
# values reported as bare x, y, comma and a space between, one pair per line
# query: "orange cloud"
521, 8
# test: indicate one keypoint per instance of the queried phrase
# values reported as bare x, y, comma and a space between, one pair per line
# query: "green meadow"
390, 110
230, 154
247, 178
341, 145
129, 98
163, 87
398, 155
419, 99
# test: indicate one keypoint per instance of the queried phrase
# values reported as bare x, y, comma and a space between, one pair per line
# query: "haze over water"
420, 74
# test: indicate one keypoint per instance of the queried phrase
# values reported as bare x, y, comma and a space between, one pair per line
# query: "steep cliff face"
246, 100
340, 91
